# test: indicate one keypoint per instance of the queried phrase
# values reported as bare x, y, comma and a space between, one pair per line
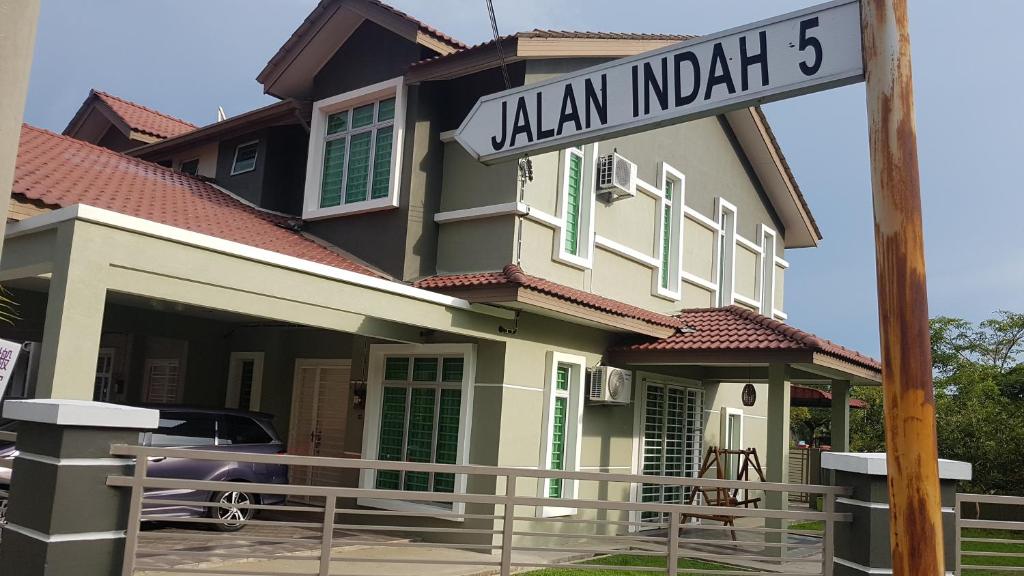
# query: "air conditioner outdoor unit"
616, 177
610, 385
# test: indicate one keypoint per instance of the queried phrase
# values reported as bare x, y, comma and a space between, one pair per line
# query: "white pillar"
840, 416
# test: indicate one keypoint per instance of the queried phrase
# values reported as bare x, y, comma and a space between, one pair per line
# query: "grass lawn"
968, 547
815, 525
627, 560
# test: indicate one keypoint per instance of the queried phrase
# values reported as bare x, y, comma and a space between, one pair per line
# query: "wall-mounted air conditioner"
610, 385
616, 177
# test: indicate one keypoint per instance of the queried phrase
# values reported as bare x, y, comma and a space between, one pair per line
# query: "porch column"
74, 320
840, 416
778, 449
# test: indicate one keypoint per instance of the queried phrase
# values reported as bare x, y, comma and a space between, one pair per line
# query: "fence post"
63, 518
327, 542
508, 524
828, 541
131, 536
957, 535
862, 546
673, 544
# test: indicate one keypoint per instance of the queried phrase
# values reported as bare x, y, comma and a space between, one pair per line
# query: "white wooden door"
319, 415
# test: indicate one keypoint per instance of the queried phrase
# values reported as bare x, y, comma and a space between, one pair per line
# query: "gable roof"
735, 329
320, 19
130, 117
540, 43
465, 285
61, 171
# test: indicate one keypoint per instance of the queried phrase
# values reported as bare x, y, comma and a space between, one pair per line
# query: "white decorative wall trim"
626, 252
480, 212
698, 281
44, 459
544, 218
73, 537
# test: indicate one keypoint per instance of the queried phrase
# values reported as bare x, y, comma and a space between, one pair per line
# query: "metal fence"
994, 540
503, 522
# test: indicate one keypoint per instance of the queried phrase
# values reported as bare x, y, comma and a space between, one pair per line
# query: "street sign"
805, 51
8, 358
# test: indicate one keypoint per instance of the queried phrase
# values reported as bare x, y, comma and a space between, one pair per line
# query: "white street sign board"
8, 357
805, 51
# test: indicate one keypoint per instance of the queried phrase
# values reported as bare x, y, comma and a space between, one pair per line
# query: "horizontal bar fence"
505, 521
989, 534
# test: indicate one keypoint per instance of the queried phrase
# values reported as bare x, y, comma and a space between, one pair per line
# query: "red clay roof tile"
513, 274
142, 119
739, 329
62, 171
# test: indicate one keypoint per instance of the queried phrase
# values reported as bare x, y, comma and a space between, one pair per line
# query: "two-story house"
338, 260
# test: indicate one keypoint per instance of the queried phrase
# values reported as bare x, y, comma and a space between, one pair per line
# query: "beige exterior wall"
207, 155
624, 259
755, 418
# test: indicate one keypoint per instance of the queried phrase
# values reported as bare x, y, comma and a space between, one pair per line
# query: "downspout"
525, 175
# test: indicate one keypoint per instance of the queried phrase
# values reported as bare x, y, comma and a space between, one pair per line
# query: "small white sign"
805, 51
8, 358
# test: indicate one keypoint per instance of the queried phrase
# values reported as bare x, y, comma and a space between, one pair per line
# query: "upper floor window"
354, 151
574, 196
670, 232
575, 240
190, 166
725, 251
245, 157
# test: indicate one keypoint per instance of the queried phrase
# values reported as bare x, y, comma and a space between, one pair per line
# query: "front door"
319, 413
670, 441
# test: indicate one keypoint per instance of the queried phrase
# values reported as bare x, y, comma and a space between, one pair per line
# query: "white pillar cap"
81, 413
874, 464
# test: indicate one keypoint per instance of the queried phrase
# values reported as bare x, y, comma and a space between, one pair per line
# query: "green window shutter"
386, 110
396, 368
447, 447
382, 163
334, 168
562, 378
451, 370
358, 167
558, 445
392, 434
362, 116
424, 370
666, 246
572, 216
337, 122
421, 436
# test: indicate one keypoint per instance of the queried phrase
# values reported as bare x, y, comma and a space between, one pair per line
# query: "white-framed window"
245, 157
725, 251
245, 380
670, 233
191, 167
576, 239
162, 380
355, 149
563, 423
768, 238
418, 408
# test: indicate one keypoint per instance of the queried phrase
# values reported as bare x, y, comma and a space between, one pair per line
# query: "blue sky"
187, 57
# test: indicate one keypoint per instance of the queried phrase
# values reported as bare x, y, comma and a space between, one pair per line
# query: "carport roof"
60, 171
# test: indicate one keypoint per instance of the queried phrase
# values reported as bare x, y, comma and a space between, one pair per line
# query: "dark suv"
220, 430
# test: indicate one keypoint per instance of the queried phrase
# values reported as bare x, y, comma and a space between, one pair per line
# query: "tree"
979, 400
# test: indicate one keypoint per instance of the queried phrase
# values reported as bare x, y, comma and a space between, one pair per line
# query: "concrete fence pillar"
62, 517
862, 546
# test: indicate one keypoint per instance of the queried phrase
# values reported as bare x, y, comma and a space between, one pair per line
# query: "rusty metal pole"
914, 506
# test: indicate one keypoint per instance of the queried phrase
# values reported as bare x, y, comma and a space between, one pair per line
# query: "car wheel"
232, 516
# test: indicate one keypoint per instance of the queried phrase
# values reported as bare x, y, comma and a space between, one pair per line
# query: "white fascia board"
81, 413
874, 464
113, 219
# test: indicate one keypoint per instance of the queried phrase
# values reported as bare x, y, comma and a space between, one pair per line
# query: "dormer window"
354, 151
245, 158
